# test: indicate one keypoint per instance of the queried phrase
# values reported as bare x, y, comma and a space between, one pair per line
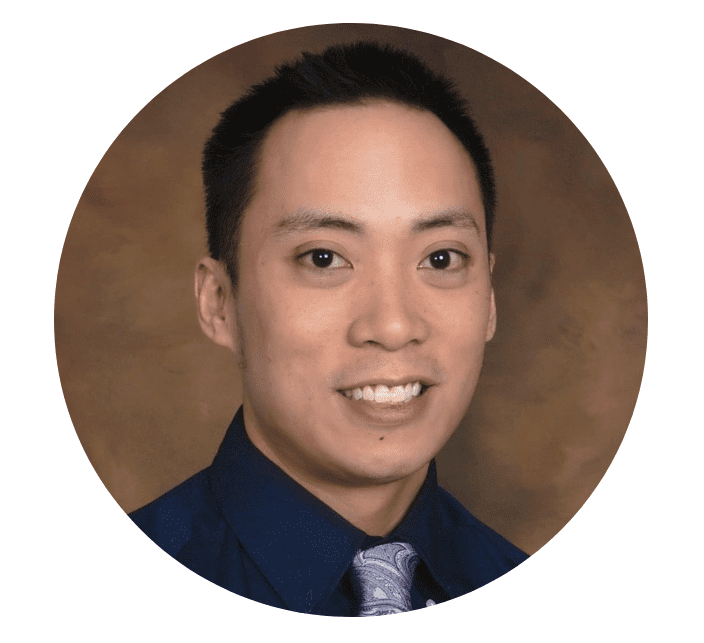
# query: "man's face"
363, 269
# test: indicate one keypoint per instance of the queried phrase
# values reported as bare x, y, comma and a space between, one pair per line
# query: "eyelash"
463, 258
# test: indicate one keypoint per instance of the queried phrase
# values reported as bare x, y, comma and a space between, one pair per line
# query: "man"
349, 209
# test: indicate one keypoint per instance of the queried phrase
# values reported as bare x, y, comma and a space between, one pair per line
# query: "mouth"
383, 394
388, 404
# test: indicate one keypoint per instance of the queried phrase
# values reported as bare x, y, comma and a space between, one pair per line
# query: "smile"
382, 394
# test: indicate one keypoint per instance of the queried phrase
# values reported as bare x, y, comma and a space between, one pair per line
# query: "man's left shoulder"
491, 553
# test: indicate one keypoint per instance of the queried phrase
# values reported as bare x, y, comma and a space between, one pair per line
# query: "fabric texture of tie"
382, 577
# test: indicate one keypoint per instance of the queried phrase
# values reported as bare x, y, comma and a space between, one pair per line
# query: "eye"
323, 259
445, 259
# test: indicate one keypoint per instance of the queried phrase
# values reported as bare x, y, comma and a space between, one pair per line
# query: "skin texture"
357, 181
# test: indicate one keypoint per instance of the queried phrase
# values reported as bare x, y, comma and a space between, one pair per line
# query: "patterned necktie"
382, 577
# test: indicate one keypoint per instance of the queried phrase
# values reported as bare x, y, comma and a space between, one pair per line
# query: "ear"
214, 302
491, 326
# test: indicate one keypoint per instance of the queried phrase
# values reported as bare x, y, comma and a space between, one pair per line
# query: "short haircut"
341, 75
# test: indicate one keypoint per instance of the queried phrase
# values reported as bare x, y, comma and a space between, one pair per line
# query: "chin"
388, 467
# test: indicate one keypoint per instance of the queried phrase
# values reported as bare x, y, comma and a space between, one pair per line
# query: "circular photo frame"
151, 397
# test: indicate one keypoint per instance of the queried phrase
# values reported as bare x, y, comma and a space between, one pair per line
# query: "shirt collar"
294, 539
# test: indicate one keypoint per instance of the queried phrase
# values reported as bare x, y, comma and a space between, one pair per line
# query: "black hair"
342, 74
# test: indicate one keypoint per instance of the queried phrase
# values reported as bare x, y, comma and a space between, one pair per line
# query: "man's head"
341, 75
363, 272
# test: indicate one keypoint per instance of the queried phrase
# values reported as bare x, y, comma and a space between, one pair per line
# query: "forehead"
365, 160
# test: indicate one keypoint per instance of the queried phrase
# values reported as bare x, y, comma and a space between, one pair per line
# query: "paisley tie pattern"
382, 577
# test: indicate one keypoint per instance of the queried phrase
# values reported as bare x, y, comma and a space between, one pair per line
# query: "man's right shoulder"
187, 511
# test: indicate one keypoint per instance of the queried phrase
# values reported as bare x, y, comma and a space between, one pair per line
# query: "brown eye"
323, 259
445, 259
440, 260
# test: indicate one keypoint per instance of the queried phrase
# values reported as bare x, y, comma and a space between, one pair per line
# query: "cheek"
293, 324
461, 331
463, 316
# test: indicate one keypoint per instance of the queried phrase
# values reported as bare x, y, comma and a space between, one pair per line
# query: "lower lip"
387, 414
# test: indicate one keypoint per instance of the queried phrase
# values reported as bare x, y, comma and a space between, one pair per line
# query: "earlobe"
213, 291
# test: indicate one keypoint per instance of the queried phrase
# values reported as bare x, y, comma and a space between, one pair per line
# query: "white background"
627, 567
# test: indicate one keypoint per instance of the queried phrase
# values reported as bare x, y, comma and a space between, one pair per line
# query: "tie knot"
382, 577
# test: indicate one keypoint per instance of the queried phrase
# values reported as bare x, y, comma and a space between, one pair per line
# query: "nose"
387, 314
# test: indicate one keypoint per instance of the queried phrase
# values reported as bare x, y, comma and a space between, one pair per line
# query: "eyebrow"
307, 220
446, 219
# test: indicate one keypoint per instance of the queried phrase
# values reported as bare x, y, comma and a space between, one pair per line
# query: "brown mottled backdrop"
151, 397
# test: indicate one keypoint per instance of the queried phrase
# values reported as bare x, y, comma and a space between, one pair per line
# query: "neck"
376, 509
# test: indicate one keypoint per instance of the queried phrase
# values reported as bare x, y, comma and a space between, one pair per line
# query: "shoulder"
485, 553
180, 515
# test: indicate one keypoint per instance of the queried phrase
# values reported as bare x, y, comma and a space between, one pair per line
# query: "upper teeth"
382, 393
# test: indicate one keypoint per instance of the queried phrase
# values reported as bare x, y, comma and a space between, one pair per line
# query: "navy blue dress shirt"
247, 526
